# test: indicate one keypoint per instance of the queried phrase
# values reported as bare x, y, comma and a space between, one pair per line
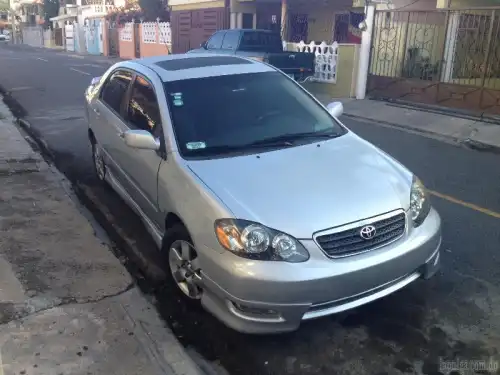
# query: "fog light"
254, 310
254, 313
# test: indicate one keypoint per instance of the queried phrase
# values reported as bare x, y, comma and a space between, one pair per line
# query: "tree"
153, 9
51, 9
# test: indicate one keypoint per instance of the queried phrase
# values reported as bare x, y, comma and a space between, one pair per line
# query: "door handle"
96, 111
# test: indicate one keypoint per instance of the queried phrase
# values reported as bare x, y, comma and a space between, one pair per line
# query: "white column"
255, 20
284, 20
239, 20
364, 52
450, 46
233, 21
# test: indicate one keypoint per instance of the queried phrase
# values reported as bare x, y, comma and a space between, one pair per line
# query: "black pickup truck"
262, 45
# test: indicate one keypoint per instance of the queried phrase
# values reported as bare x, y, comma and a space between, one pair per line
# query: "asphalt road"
454, 316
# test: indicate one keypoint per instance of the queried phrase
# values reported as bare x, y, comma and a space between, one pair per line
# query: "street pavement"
67, 304
419, 330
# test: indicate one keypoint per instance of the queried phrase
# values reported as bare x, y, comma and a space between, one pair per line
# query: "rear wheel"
183, 262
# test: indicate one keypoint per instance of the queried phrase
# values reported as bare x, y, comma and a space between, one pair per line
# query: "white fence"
149, 32
325, 62
127, 31
165, 33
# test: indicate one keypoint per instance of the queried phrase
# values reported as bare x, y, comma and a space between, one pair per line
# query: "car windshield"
242, 113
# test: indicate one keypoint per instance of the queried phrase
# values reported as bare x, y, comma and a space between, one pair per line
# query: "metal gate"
448, 58
113, 35
92, 36
137, 40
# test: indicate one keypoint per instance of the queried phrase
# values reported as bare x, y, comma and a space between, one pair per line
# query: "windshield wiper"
289, 138
239, 148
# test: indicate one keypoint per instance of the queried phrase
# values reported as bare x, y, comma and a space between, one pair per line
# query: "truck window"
255, 41
215, 41
231, 40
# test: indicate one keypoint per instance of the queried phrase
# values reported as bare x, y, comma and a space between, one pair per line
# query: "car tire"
182, 263
99, 164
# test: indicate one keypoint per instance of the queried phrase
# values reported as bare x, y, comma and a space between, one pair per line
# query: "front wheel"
183, 262
99, 165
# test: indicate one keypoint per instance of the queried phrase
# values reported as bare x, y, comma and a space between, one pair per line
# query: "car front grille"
350, 242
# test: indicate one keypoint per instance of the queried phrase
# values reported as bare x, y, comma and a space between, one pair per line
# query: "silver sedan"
268, 209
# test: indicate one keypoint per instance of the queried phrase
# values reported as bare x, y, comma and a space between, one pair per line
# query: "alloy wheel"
100, 167
183, 262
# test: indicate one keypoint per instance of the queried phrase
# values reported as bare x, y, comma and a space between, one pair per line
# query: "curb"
102, 216
176, 358
459, 113
469, 143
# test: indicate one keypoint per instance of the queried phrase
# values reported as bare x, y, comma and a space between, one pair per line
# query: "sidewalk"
67, 304
467, 131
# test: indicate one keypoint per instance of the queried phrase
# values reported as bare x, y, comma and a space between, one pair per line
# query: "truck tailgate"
293, 62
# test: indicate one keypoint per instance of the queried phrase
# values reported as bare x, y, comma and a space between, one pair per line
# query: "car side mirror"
141, 139
335, 108
95, 81
203, 45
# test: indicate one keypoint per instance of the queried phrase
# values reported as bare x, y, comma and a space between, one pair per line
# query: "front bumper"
271, 297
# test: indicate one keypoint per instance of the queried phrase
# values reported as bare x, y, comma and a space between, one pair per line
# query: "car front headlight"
255, 241
419, 202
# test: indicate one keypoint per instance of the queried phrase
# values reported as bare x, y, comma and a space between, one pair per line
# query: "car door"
142, 112
108, 115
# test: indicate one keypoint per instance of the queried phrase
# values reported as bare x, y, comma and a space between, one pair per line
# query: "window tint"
256, 107
261, 41
143, 111
215, 42
231, 40
115, 88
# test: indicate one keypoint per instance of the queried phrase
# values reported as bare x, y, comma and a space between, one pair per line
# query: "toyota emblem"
367, 232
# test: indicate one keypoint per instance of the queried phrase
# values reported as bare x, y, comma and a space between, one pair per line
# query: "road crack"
11, 312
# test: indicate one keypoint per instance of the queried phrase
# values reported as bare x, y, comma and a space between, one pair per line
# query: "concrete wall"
347, 67
152, 49
127, 49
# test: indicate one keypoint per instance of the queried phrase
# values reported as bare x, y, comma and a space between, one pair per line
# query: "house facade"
328, 28
436, 52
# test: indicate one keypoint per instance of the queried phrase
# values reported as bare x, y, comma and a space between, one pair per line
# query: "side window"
143, 111
231, 40
215, 42
115, 88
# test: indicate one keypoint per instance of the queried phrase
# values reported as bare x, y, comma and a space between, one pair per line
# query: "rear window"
261, 42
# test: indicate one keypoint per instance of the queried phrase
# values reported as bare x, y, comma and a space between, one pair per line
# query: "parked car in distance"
269, 211
261, 45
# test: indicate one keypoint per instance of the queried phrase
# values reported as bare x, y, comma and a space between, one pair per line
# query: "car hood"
305, 189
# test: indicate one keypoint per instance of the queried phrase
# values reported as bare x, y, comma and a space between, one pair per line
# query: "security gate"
137, 40
448, 58
113, 39
93, 34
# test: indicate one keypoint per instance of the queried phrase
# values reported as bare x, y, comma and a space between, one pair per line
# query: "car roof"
199, 65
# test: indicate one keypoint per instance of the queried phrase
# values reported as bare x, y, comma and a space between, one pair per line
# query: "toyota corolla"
269, 211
